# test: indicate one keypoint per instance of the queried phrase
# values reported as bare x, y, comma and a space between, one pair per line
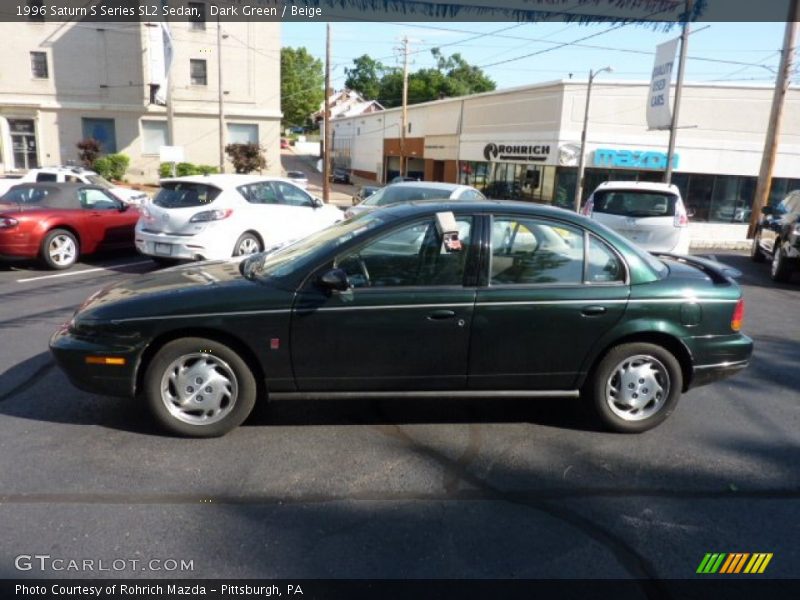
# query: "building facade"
524, 143
62, 82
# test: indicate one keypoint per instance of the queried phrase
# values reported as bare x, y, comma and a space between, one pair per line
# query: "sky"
718, 52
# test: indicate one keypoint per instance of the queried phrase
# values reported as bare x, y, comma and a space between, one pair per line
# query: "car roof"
412, 207
650, 186
224, 180
432, 185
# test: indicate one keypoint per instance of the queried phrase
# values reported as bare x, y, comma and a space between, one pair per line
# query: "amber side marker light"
105, 360
738, 315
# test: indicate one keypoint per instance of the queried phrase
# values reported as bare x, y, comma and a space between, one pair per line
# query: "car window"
471, 195
400, 193
23, 194
99, 181
262, 192
526, 251
634, 203
184, 194
413, 255
97, 200
292, 195
46, 177
602, 265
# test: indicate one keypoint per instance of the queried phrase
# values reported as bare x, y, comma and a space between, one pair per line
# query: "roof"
224, 180
650, 186
430, 185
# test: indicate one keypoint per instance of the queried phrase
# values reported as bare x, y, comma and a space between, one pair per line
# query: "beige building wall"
102, 70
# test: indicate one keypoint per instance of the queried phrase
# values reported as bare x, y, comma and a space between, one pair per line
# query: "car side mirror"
316, 203
335, 280
766, 210
124, 207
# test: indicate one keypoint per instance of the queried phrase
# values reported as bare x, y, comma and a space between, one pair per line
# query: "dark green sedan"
421, 300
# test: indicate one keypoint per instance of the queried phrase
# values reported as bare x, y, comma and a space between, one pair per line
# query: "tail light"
738, 315
211, 215
8, 222
587, 209
681, 217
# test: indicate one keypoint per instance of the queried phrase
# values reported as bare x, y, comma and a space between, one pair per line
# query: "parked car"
777, 237
298, 178
340, 175
650, 214
418, 300
73, 175
59, 222
218, 216
414, 190
364, 192
284, 143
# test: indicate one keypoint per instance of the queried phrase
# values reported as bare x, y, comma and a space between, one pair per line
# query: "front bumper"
70, 353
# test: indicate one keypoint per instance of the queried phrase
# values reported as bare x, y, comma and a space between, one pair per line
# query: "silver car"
414, 190
650, 214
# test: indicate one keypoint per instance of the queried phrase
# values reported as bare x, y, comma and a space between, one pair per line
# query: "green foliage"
302, 86
453, 76
88, 151
246, 158
183, 169
112, 166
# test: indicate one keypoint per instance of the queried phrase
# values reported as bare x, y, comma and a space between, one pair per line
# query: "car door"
404, 323
552, 290
108, 226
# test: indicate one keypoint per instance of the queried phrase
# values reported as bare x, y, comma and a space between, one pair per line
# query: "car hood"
202, 288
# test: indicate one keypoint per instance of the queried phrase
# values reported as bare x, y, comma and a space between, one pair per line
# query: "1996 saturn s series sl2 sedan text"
426, 299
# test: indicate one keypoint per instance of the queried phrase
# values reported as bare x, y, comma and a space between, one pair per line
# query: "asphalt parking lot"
395, 489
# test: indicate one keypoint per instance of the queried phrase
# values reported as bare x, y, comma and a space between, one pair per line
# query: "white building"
523, 143
61, 82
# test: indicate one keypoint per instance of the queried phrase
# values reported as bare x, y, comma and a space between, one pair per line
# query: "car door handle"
593, 311
439, 315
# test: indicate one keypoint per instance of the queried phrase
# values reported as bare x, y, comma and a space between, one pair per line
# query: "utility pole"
775, 117
404, 126
582, 158
326, 155
220, 99
676, 107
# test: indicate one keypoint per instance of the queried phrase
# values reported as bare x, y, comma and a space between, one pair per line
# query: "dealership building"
524, 144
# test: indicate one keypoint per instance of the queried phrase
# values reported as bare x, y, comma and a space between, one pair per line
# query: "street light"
582, 159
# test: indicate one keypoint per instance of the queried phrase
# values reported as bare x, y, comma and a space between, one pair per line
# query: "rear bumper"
704, 374
719, 357
196, 247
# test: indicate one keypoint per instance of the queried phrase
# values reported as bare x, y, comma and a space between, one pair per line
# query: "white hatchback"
652, 215
219, 216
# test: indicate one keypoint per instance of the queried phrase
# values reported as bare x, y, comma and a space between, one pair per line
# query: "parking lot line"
109, 268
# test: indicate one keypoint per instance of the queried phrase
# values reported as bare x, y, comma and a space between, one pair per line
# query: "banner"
659, 111
160, 42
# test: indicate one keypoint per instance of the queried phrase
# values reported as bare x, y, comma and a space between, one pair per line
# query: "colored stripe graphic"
711, 563
734, 563
759, 562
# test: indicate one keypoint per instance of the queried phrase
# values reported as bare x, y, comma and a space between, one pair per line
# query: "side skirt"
425, 394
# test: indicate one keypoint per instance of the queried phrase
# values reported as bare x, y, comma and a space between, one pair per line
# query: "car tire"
781, 268
171, 381
635, 387
60, 249
248, 243
164, 262
755, 251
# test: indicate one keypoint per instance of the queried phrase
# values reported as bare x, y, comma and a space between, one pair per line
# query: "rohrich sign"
633, 159
517, 152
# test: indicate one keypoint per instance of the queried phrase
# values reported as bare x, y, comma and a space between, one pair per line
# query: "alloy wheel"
62, 250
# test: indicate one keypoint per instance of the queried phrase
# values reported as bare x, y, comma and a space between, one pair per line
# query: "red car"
284, 143
58, 222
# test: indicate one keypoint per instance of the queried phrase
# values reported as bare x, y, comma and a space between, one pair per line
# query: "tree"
302, 86
246, 158
365, 76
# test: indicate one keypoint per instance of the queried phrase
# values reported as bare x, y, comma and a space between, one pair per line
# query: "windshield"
634, 203
100, 181
307, 250
184, 194
398, 193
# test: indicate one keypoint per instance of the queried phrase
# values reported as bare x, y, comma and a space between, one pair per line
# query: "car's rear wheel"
199, 388
59, 249
781, 268
755, 250
635, 387
247, 243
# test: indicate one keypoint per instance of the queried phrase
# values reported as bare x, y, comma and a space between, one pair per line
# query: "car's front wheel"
199, 388
635, 387
781, 268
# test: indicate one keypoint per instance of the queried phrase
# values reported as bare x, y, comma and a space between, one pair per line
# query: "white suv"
219, 216
650, 214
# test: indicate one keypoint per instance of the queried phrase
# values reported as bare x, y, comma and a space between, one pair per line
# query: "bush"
89, 150
112, 166
246, 158
184, 168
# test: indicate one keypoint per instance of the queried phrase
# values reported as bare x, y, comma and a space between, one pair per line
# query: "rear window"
183, 194
397, 193
634, 203
21, 194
